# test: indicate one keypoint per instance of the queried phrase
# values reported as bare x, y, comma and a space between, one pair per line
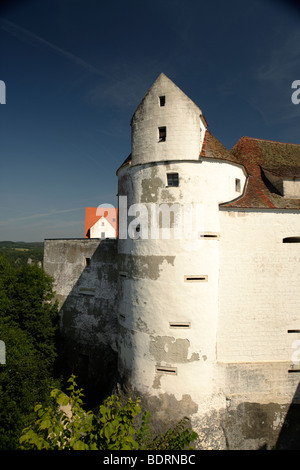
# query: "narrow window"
210, 235
172, 179
162, 100
291, 240
293, 331
180, 324
87, 261
123, 274
102, 235
122, 316
86, 291
166, 370
294, 370
237, 185
162, 134
200, 278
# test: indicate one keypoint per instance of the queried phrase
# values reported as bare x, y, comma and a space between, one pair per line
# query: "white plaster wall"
206, 183
259, 278
291, 188
185, 129
154, 292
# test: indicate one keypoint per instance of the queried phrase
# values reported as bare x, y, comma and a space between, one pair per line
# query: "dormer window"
162, 134
286, 184
162, 101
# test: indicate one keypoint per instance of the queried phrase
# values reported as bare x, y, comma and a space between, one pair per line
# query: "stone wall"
85, 274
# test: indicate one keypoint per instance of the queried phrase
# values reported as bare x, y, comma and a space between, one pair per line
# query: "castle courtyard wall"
85, 281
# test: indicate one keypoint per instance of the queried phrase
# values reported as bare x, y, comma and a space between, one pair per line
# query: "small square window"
172, 179
162, 134
162, 100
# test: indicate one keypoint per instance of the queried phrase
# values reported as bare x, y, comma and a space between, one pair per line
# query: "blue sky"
75, 71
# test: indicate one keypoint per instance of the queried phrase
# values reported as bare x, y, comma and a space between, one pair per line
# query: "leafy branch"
66, 425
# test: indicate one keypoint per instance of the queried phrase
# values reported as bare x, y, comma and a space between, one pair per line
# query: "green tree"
28, 321
23, 380
34, 311
113, 428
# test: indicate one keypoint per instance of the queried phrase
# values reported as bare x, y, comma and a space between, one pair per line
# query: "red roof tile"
277, 157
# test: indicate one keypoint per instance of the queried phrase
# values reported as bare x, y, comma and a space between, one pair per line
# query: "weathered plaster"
171, 350
143, 266
150, 189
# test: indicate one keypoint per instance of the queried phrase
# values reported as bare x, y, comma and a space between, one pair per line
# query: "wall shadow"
86, 341
289, 436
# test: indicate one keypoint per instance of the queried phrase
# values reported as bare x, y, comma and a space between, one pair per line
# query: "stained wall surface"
85, 275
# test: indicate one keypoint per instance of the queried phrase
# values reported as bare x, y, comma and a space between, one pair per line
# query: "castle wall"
258, 319
85, 275
258, 286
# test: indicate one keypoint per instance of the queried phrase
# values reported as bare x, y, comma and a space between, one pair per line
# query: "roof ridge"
267, 140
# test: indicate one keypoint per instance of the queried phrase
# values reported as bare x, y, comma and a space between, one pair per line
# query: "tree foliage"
28, 321
64, 424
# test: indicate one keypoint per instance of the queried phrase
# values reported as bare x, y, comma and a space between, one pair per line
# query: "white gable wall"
102, 226
259, 279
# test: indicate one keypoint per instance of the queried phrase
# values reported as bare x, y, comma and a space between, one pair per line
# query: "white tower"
168, 253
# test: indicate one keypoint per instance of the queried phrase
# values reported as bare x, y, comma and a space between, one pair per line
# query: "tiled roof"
212, 148
257, 155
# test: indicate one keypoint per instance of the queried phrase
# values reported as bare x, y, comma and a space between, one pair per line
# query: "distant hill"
21, 253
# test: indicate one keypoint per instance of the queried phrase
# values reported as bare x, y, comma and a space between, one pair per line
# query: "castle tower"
170, 188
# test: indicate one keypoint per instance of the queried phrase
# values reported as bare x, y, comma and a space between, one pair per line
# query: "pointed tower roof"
162, 80
167, 125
